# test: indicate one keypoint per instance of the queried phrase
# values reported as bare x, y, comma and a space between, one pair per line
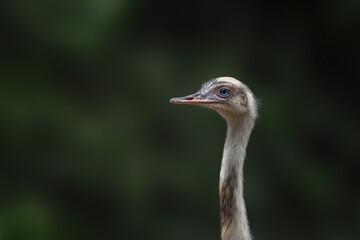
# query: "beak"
193, 99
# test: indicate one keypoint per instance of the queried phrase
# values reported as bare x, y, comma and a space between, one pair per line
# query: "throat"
233, 222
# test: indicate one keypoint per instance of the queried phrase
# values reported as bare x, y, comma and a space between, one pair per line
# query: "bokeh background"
92, 149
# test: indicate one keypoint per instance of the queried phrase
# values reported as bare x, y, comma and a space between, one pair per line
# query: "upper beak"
193, 99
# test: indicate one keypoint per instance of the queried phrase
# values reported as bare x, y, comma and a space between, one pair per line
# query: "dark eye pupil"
224, 92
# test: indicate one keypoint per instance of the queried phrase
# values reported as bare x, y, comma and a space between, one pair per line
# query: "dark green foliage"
92, 149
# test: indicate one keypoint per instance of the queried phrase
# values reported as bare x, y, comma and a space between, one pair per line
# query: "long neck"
234, 223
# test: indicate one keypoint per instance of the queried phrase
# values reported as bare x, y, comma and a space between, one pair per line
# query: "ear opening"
244, 99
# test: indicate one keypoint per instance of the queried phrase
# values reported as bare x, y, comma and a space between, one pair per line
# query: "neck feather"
234, 223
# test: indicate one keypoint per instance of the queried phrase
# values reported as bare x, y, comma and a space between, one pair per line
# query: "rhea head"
228, 96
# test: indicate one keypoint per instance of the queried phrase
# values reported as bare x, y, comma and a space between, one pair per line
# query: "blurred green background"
92, 149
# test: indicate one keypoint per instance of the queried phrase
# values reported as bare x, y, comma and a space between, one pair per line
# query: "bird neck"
234, 223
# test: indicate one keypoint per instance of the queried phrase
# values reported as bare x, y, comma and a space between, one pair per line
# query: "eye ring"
224, 92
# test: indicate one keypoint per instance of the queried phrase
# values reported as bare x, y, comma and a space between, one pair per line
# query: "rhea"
234, 101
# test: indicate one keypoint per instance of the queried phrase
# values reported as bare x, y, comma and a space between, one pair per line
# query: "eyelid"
220, 87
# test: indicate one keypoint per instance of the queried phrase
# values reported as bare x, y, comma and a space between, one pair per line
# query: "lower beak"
193, 99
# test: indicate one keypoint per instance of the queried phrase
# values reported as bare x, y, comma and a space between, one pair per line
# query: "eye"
224, 92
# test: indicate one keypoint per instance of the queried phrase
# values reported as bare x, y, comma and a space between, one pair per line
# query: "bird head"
228, 96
